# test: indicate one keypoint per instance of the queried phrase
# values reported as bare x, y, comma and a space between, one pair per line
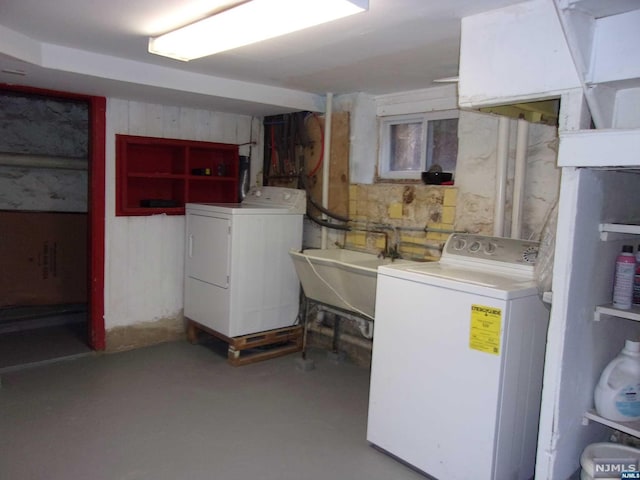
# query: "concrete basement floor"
179, 411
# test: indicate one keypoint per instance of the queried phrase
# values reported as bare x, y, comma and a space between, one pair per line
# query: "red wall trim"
96, 207
97, 125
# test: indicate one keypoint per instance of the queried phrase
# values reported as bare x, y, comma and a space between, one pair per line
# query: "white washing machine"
239, 278
458, 355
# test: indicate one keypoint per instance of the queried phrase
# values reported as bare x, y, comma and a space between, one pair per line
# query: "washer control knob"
286, 195
459, 244
258, 193
475, 246
490, 248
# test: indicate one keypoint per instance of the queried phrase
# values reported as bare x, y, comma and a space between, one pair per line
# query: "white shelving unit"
615, 231
593, 148
631, 428
632, 314
618, 231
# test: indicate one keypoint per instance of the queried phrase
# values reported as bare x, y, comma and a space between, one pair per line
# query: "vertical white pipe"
519, 176
501, 177
325, 162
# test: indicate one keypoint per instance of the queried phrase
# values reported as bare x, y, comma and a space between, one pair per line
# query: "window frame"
384, 153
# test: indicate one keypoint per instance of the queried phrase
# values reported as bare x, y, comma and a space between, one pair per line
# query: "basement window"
411, 144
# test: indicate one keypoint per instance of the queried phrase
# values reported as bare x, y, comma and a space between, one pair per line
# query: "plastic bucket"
605, 450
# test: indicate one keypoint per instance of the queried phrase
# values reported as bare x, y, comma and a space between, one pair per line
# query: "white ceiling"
100, 47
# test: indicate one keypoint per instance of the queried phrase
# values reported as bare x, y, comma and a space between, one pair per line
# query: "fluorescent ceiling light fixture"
250, 22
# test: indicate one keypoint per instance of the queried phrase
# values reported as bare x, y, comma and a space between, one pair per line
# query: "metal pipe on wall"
25, 160
501, 177
519, 177
325, 163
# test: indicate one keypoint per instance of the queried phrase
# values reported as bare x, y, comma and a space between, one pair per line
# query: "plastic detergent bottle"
623, 282
617, 395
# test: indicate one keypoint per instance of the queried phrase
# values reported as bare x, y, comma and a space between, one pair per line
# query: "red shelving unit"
160, 175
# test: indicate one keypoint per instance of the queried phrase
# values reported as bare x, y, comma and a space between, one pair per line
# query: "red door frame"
96, 204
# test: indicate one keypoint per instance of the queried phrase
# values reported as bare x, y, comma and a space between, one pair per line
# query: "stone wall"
48, 129
476, 173
410, 220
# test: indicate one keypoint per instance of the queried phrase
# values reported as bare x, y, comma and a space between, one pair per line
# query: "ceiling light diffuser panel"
249, 23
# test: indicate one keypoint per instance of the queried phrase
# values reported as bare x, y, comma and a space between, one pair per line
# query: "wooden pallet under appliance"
281, 341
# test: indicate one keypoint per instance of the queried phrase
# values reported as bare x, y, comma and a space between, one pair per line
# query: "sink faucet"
391, 252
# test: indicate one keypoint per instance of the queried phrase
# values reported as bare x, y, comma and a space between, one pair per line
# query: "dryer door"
208, 249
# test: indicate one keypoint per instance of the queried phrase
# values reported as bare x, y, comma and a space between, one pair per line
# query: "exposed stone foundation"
144, 334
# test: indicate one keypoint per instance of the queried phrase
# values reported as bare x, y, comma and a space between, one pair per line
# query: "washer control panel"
465, 246
277, 197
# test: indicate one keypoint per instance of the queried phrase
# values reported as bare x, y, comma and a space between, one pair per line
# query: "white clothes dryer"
239, 278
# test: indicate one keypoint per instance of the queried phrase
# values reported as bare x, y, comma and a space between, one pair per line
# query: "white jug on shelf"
617, 395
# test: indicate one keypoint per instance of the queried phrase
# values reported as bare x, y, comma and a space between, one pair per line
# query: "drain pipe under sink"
365, 326
344, 337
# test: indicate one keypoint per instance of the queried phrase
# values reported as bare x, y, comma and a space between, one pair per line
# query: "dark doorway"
66, 326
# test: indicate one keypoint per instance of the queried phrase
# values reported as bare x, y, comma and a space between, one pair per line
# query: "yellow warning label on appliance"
485, 329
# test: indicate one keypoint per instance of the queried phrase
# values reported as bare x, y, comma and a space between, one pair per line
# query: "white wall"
627, 107
363, 137
615, 54
514, 52
144, 254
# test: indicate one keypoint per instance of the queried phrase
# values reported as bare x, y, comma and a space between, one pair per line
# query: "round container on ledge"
436, 178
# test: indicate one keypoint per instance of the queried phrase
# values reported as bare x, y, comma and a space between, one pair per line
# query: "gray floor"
32, 335
41, 345
178, 411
